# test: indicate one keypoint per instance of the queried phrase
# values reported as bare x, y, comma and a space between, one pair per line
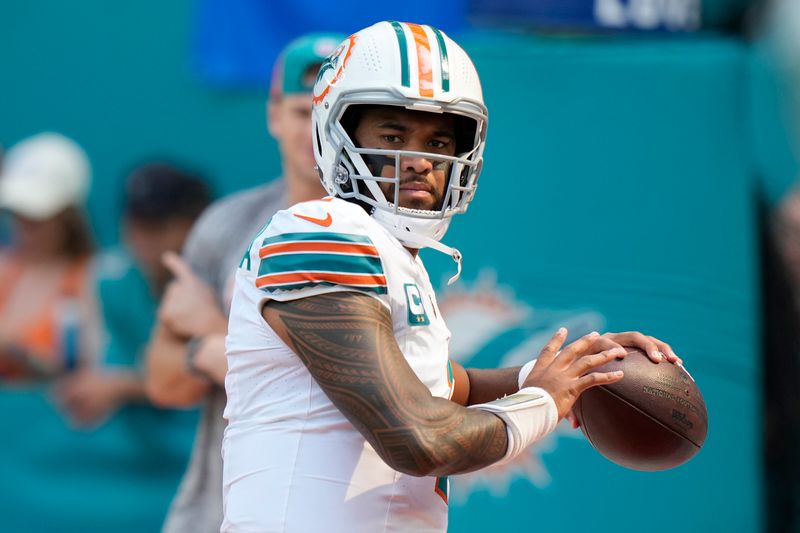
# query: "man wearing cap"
48, 318
186, 358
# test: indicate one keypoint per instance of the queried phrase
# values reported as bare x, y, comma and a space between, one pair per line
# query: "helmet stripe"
424, 66
401, 40
445, 61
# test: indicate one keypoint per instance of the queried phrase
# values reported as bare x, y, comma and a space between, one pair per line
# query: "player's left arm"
479, 385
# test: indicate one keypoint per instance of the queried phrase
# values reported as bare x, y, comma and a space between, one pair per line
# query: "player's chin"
419, 200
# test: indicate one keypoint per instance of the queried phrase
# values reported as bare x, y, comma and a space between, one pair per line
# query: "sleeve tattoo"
347, 342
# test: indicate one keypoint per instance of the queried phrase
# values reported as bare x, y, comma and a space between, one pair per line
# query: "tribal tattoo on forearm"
347, 342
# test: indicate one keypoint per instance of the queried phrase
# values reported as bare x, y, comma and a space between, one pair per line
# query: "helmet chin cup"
405, 228
426, 234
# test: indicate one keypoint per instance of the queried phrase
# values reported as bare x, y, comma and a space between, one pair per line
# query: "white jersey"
292, 461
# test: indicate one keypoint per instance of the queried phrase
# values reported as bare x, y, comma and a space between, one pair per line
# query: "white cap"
43, 175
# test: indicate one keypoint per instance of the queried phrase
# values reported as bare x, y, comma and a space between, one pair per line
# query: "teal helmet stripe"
405, 77
444, 61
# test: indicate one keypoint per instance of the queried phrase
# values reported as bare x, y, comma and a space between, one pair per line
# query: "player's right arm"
346, 340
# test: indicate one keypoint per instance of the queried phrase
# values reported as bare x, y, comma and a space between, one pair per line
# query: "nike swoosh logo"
324, 222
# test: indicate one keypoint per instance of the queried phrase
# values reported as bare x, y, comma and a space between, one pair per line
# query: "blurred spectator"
786, 225
781, 366
5, 223
48, 316
186, 358
780, 31
161, 203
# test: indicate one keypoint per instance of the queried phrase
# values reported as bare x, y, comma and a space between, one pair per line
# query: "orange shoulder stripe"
318, 246
333, 277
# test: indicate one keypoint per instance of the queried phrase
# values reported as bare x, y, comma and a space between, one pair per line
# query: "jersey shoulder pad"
319, 244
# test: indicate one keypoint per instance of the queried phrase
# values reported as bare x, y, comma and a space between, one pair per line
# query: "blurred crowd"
76, 320
94, 332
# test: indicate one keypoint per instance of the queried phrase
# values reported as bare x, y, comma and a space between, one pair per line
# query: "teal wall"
117, 78
619, 184
617, 193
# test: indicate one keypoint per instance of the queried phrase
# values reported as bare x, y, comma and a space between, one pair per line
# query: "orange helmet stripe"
424, 61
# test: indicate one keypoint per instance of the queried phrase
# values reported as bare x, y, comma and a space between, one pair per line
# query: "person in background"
161, 203
5, 223
776, 27
48, 314
186, 362
780, 301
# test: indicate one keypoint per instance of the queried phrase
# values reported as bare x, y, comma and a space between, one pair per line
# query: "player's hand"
655, 349
189, 307
566, 374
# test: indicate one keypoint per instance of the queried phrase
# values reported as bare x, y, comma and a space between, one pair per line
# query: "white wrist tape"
524, 372
529, 415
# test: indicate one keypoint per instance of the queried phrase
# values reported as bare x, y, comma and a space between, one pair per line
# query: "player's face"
422, 179
290, 124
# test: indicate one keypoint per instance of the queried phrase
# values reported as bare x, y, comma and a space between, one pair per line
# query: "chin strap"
413, 239
421, 241
452, 252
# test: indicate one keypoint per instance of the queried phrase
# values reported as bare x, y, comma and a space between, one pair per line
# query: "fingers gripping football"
656, 349
567, 373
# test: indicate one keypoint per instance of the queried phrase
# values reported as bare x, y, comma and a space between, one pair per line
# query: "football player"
345, 412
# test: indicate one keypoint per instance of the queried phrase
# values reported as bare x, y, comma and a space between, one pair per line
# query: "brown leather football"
652, 419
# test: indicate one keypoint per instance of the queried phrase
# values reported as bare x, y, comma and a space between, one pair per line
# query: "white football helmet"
412, 66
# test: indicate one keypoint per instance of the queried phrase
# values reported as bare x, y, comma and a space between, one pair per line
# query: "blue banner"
236, 43
627, 15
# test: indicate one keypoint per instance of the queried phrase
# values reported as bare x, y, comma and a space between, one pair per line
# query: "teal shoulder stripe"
445, 60
317, 236
401, 39
351, 264
309, 284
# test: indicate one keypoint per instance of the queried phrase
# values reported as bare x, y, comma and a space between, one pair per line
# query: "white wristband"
529, 415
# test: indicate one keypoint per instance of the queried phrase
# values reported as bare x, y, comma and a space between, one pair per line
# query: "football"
652, 419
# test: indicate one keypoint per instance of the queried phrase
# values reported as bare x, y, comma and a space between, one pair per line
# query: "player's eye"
439, 144
393, 139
